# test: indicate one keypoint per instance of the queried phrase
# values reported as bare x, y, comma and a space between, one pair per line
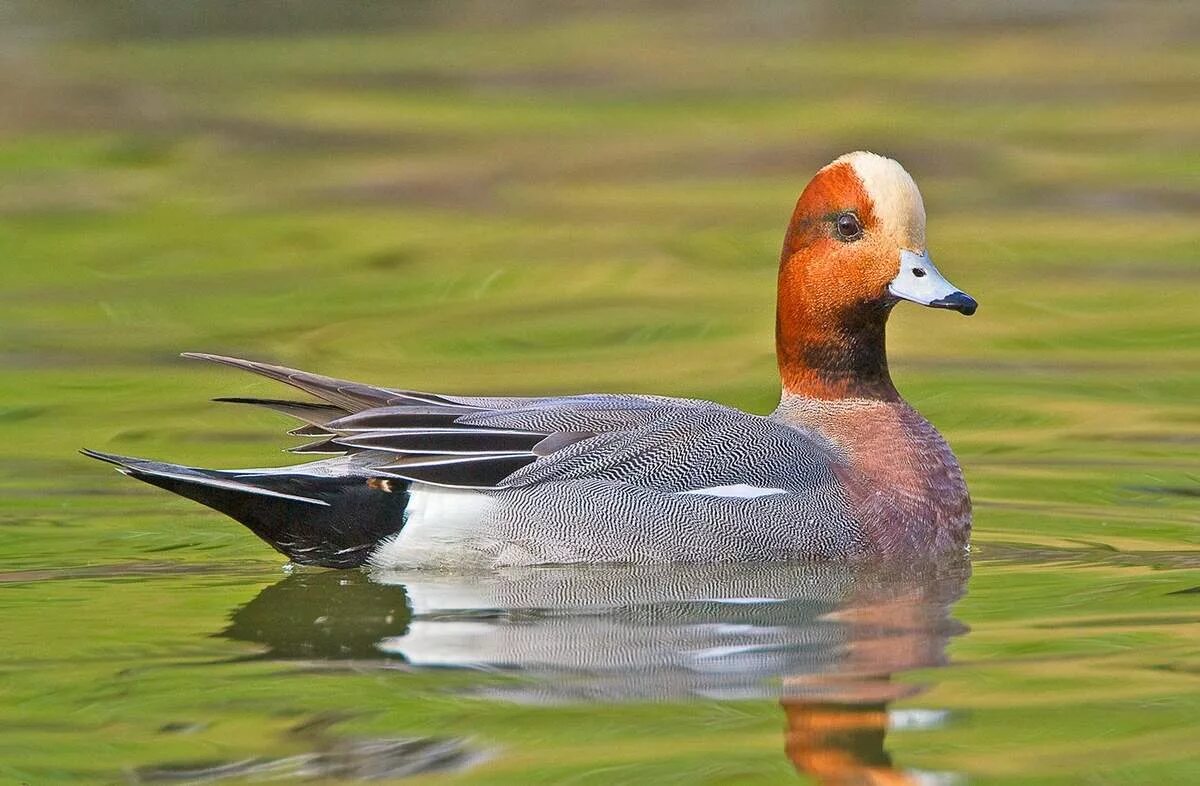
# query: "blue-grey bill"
920, 282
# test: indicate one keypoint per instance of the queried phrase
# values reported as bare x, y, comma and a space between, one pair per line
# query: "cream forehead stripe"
898, 205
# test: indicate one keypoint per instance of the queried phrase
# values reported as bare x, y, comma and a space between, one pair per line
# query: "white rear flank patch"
899, 208
442, 527
737, 491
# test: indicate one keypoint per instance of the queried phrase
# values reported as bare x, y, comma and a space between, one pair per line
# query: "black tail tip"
108, 458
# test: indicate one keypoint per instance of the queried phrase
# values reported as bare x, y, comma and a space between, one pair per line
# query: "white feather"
442, 526
737, 491
899, 208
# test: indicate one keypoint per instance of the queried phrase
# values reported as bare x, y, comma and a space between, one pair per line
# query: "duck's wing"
669, 444
688, 447
712, 449
488, 448
461, 441
383, 407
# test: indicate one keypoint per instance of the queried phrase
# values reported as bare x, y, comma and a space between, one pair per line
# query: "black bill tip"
957, 301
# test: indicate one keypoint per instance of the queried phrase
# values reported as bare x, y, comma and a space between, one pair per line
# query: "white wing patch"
737, 491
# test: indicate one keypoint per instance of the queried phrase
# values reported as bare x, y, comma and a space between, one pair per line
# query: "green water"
454, 198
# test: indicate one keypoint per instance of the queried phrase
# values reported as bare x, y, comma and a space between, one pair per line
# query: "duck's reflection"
824, 639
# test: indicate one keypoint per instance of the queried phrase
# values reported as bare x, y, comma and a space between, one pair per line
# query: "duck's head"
854, 248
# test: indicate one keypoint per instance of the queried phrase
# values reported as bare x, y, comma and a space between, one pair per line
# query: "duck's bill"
920, 282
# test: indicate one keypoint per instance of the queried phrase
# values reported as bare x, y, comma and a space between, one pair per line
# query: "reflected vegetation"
831, 643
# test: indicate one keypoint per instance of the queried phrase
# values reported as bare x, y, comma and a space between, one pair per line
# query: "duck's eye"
848, 227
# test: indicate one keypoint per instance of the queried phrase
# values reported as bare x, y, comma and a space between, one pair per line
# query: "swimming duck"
842, 469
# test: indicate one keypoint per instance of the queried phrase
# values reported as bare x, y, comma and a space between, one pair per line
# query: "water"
573, 201
1054, 666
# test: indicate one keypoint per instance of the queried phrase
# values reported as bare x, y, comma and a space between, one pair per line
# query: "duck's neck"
831, 353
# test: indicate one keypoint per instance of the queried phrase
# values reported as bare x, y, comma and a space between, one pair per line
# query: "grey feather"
351, 396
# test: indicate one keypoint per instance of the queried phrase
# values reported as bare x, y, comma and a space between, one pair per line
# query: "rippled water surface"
550, 199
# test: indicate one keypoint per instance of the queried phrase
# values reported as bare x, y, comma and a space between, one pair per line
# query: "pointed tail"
310, 513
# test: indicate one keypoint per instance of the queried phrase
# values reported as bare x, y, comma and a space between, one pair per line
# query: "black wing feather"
446, 441
397, 417
460, 471
312, 413
310, 431
323, 445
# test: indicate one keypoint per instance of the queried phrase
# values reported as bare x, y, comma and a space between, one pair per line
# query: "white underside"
442, 527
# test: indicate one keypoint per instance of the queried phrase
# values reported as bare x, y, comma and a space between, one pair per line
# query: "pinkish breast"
903, 483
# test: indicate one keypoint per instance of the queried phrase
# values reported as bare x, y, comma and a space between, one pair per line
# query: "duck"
843, 469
